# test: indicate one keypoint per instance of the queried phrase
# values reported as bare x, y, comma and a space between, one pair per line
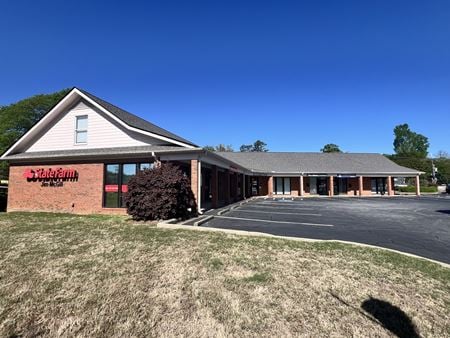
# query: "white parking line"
275, 212
279, 222
277, 207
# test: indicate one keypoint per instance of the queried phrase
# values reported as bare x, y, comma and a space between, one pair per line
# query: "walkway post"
417, 185
214, 186
389, 186
195, 181
236, 186
360, 180
331, 186
227, 186
302, 191
199, 185
243, 194
270, 186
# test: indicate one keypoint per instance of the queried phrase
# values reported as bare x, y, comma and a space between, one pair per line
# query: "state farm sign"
51, 177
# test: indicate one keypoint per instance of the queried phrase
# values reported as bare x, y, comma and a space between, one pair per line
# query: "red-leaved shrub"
162, 192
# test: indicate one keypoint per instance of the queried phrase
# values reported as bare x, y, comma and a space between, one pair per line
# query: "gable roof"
133, 120
317, 163
126, 119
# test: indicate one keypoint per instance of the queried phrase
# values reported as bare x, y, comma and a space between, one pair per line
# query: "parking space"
419, 226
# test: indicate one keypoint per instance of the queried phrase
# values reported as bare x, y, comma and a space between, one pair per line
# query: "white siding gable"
102, 132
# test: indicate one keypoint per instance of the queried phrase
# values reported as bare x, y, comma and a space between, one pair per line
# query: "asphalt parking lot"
417, 225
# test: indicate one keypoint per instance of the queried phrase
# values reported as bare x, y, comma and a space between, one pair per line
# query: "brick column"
243, 192
270, 186
195, 181
360, 186
301, 188
227, 187
214, 186
331, 186
417, 185
389, 186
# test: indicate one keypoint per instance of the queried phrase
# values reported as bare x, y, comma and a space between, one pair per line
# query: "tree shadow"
444, 211
391, 317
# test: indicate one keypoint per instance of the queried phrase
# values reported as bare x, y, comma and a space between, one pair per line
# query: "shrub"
163, 192
430, 188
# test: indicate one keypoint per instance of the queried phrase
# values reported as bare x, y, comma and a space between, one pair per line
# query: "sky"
295, 74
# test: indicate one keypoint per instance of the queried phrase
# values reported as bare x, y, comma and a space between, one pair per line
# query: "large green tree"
257, 146
408, 143
331, 148
19, 117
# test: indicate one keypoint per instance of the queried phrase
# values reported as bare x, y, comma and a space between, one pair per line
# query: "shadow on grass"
444, 211
385, 314
391, 317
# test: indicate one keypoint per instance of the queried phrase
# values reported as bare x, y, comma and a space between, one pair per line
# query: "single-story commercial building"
81, 154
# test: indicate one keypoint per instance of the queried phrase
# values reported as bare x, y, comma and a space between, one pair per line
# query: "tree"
408, 143
257, 146
331, 148
442, 154
162, 192
17, 118
220, 147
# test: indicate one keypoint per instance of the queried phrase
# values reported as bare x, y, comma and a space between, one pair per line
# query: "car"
447, 189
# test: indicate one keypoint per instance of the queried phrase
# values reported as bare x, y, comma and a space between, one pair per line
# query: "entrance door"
255, 186
313, 185
340, 185
282, 186
322, 185
378, 185
287, 186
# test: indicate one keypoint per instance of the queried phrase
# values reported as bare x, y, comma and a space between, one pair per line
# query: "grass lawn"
66, 275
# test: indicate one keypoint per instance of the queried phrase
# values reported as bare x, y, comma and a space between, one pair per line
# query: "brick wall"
82, 196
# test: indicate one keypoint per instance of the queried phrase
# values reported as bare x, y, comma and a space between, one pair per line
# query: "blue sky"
295, 74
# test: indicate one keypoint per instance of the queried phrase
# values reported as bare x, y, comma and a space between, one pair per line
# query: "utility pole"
434, 171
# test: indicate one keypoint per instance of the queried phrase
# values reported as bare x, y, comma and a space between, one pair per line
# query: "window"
144, 166
112, 186
81, 126
116, 182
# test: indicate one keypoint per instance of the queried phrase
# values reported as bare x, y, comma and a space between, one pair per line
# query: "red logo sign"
58, 174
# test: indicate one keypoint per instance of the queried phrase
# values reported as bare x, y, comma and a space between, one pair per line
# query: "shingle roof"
316, 163
135, 121
99, 152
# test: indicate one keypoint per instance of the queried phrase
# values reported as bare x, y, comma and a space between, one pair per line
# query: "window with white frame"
81, 126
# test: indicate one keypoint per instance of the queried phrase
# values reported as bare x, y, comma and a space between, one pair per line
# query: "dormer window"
81, 126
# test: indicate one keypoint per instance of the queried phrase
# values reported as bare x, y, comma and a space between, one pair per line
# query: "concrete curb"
169, 221
221, 212
203, 220
298, 239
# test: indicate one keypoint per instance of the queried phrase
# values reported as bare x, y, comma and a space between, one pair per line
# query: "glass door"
255, 186
287, 186
340, 185
313, 185
378, 185
279, 186
322, 186
282, 185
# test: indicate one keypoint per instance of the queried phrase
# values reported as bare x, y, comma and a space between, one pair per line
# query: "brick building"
80, 156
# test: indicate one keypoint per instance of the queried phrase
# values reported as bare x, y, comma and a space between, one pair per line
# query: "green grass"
68, 275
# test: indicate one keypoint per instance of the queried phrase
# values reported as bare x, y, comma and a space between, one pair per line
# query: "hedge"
413, 189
